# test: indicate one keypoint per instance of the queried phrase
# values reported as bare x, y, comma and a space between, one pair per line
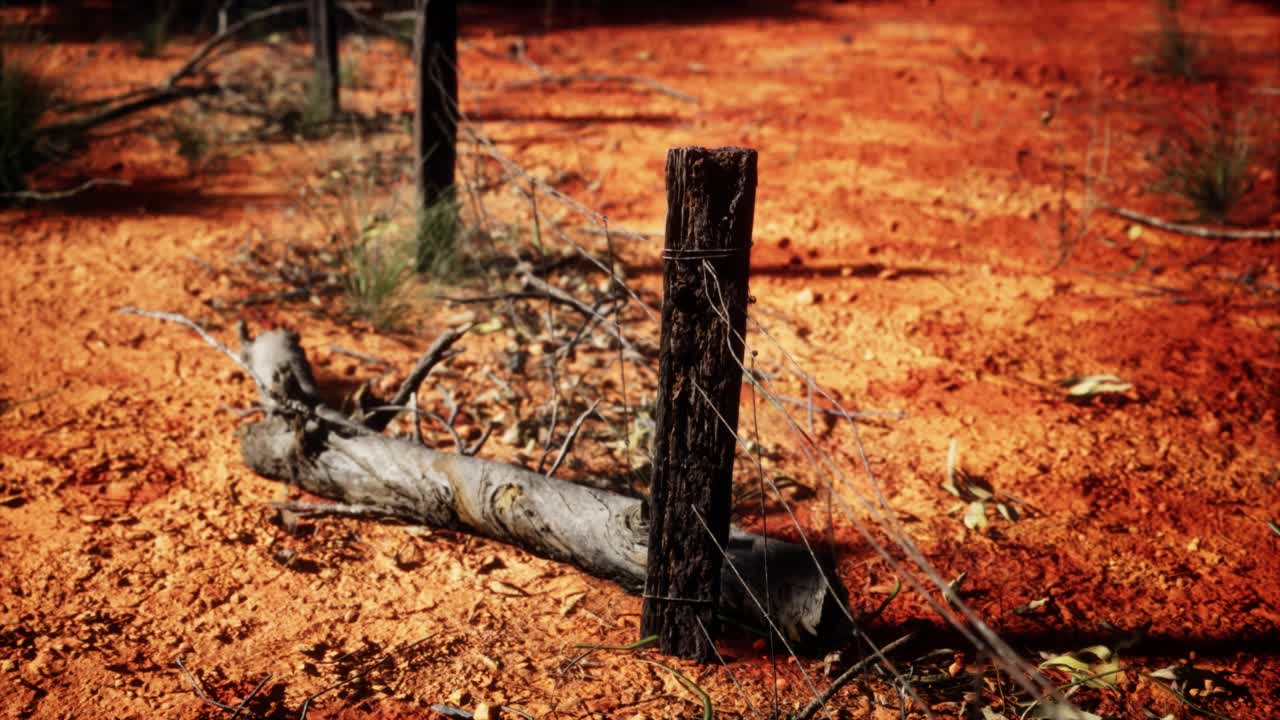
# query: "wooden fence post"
710, 208
435, 119
323, 24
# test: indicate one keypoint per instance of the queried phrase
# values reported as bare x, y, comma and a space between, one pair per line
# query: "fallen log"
604, 533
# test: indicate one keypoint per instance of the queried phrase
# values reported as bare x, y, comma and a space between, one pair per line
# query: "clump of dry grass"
1206, 162
1172, 50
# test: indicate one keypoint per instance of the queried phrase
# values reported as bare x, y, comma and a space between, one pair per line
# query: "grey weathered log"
710, 208
603, 533
323, 23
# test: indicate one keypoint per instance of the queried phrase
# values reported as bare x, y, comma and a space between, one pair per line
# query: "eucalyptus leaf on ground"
975, 492
1096, 666
952, 592
1083, 387
1032, 606
975, 516
1056, 711
488, 327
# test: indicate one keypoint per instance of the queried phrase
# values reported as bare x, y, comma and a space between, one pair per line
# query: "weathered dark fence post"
324, 44
435, 120
711, 197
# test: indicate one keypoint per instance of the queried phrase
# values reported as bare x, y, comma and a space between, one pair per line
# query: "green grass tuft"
436, 241
349, 75
191, 133
317, 111
1173, 51
155, 31
1208, 166
376, 273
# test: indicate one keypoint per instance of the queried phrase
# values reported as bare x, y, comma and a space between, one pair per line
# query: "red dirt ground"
906, 248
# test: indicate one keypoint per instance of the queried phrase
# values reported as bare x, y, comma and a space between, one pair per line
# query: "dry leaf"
498, 587
570, 603
975, 516
1087, 386
1096, 666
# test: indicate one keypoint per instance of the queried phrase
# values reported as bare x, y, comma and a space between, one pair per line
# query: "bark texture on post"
710, 208
324, 43
435, 119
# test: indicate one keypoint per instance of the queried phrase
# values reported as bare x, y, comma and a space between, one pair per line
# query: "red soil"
906, 253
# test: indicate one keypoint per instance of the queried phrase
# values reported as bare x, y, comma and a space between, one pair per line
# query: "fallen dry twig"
1192, 230
813, 707
378, 421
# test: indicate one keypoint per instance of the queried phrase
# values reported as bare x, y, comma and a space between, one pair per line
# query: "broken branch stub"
710, 207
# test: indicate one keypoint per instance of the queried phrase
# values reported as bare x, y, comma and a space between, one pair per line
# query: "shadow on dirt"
1130, 644
577, 120
863, 271
84, 21
160, 195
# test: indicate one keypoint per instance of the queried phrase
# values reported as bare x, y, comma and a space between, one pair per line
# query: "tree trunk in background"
435, 120
324, 44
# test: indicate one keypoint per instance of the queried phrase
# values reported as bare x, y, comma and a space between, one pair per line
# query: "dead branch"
362, 357
546, 76
161, 96
536, 288
125, 104
1192, 230
309, 509
569, 438
453, 433
376, 25
622, 233
283, 385
63, 194
600, 531
226, 35
551, 292
474, 447
378, 421
306, 444
818, 702
599, 313
195, 685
